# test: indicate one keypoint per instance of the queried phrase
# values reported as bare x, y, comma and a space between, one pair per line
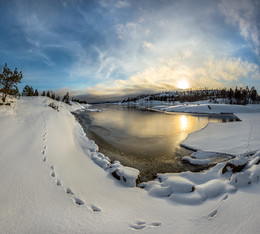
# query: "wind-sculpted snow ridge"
195, 188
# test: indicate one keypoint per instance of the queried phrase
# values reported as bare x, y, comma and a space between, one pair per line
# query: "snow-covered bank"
240, 139
230, 138
51, 184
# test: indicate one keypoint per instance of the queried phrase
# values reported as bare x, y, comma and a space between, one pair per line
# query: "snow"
230, 138
54, 180
203, 157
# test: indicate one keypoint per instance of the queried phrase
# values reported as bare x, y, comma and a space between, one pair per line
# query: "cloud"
228, 70
243, 14
147, 45
129, 30
114, 3
214, 73
121, 46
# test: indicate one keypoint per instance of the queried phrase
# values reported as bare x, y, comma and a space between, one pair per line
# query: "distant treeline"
79, 101
29, 91
241, 96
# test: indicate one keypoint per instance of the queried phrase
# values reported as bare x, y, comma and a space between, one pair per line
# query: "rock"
234, 166
114, 173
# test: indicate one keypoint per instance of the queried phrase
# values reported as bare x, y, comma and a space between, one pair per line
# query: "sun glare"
183, 84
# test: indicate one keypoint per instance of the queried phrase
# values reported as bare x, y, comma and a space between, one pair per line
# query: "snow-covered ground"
53, 180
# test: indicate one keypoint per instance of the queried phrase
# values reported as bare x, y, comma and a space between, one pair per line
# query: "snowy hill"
231, 96
53, 180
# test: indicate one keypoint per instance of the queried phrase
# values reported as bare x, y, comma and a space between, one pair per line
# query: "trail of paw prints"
249, 138
69, 192
44, 136
43, 153
214, 212
139, 225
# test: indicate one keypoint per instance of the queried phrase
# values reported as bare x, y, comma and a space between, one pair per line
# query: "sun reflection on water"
183, 122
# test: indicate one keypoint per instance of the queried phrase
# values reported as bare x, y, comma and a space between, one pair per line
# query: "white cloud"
243, 14
128, 30
213, 73
228, 70
147, 45
114, 3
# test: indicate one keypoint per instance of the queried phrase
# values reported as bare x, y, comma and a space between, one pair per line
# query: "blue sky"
118, 47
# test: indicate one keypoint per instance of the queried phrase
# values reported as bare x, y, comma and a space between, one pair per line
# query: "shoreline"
189, 167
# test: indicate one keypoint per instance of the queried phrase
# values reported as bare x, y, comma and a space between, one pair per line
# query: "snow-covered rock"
127, 175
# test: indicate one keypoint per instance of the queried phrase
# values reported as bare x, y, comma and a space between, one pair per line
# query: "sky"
111, 48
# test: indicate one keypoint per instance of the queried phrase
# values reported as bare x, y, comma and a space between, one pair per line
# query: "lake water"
146, 140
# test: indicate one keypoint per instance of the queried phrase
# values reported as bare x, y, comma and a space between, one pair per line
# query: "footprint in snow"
69, 191
139, 225
95, 208
156, 224
212, 214
44, 159
58, 182
225, 197
52, 167
78, 201
52, 174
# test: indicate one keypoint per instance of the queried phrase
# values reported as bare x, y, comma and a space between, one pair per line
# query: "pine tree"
36, 93
253, 94
48, 94
28, 91
25, 91
43, 93
9, 81
66, 98
31, 92
53, 96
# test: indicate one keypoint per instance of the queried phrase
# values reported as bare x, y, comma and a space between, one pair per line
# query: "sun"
183, 84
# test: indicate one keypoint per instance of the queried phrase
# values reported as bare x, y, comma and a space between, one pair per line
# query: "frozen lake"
146, 140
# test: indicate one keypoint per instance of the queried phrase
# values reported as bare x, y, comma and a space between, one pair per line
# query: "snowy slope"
51, 184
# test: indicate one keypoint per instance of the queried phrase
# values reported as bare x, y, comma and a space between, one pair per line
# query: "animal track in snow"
215, 211
212, 214
52, 174
44, 136
95, 208
139, 225
58, 183
156, 224
225, 197
69, 191
44, 159
78, 201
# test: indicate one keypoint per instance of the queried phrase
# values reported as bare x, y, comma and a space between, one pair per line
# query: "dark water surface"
146, 140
